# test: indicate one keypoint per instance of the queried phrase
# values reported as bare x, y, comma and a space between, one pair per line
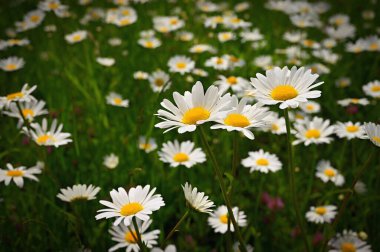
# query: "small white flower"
321, 214
78, 192
111, 161
262, 161
218, 220
327, 173
197, 200
350, 130
105, 61
116, 99
17, 174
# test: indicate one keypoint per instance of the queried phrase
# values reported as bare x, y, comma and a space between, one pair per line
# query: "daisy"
200, 48
234, 23
237, 84
242, 117
373, 44
372, 89
140, 75
343, 82
181, 64
29, 111
17, 42
52, 137
192, 108
350, 130
158, 80
176, 154
262, 161
253, 35
315, 131
11, 64
53, 5
321, 214
17, 174
34, 18
277, 124
226, 36
150, 43
373, 133
78, 192
200, 72
353, 101
116, 99
218, 63
287, 87
148, 145
197, 200
348, 241
139, 202
169, 248
218, 220
105, 61
185, 36
76, 37
310, 107
111, 161
327, 173
126, 236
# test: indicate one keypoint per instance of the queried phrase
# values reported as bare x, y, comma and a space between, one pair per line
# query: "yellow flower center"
145, 146
15, 173
355, 100
181, 65
320, 210
35, 18
283, 93
174, 21
232, 80
348, 247
224, 219
117, 100
329, 172
219, 61
234, 59
130, 237
181, 157
352, 128
226, 36
14, 96
131, 208
308, 42
11, 67
76, 37
159, 82
375, 88
373, 46
149, 44
125, 21
376, 139
312, 133
309, 107
235, 20
192, 116
28, 112
53, 6
125, 12
262, 162
44, 138
236, 120
275, 127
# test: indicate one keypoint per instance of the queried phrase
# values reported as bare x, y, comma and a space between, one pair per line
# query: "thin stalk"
138, 238
26, 122
293, 192
175, 228
222, 186
347, 197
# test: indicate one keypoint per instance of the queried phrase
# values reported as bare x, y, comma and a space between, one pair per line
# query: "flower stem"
139, 241
223, 189
175, 228
293, 192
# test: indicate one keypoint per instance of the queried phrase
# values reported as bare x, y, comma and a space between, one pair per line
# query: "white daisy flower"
116, 99
287, 87
321, 214
310, 107
253, 35
22, 96
105, 61
372, 89
185, 36
348, 241
11, 64
237, 84
350, 130
315, 131
192, 109
78, 192
53, 5
52, 137
169, 248
327, 173
150, 43
373, 133
76, 37
242, 117
200, 48
158, 80
140, 75
181, 64
226, 36
29, 111
353, 101
197, 200
148, 145
176, 154
218, 220
262, 161
343, 82
139, 202
218, 63
17, 174
277, 124
111, 161
126, 236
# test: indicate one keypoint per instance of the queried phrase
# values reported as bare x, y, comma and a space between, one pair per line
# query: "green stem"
175, 228
138, 238
222, 186
293, 192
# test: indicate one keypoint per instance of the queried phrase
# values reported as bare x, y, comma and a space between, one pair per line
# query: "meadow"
189, 125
